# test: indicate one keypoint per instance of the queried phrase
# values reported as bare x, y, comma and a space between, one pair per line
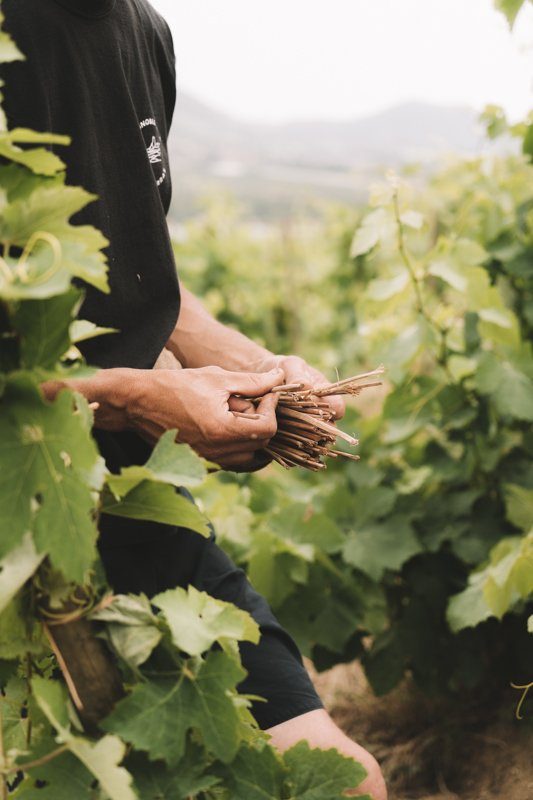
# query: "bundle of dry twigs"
306, 435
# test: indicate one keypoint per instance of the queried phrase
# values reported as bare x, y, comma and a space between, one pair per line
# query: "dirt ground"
435, 749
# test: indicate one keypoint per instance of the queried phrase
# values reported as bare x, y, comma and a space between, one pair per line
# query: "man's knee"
319, 730
374, 783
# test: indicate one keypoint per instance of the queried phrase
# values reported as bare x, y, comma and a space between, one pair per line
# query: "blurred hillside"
273, 169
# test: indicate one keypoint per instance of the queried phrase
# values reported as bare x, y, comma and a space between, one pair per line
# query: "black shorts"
173, 557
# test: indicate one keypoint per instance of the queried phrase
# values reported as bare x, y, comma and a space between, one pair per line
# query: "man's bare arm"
195, 401
199, 340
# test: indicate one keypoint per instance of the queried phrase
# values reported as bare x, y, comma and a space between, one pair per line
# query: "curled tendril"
22, 269
525, 691
86, 601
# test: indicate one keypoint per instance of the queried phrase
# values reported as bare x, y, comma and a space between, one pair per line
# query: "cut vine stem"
307, 433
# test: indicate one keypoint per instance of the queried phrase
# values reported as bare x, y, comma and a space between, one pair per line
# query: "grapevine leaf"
155, 781
157, 715
37, 159
63, 778
449, 272
27, 136
519, 505
16, 568
494, 120
83, 257
175, 464
102, 758
48, 276
81, 330
257, 773
276, 565
19, 633
8, 670
468, 608
376, 226
54, 465
132, 628
510, 8
382, 545
52, 700
321, 774
197, 621
492, 591
8, 49
403, 349
44, 328
380, 290
157, 502
14, 724
18, 183
47, 211
510, 388
412, 219
300, 526
373, 502
320, 531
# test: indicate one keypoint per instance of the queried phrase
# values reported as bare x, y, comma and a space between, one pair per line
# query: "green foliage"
421, 539
158, 502
508, 578
132, 629
54, 470
158, 713
196, 621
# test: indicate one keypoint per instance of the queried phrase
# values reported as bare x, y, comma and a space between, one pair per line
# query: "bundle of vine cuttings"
306, 434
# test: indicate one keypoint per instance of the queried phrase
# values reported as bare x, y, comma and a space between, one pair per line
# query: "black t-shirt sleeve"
168, 75
108, 80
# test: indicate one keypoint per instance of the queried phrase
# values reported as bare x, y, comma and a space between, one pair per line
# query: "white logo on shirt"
154, 151
154, 148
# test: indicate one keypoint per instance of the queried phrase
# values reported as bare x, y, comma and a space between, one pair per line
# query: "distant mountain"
274, 168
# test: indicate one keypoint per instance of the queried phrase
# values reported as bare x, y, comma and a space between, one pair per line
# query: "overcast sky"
274, 60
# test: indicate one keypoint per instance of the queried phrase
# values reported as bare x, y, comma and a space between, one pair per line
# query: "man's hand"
296, 370
195, 401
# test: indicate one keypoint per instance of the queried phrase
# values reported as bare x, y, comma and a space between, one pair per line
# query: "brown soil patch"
435, 749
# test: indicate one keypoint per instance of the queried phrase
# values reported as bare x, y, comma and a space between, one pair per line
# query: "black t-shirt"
103, 72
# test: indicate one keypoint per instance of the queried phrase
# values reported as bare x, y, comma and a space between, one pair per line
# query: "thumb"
255, 384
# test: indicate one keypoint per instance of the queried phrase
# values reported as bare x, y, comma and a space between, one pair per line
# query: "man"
103, 71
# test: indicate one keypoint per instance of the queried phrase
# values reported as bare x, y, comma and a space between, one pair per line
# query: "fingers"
241, 405
237, 459
241, 429
246, 463
337, 405
267, 405
253, 384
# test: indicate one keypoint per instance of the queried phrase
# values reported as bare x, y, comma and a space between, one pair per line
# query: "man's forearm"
199, 340
114, 391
